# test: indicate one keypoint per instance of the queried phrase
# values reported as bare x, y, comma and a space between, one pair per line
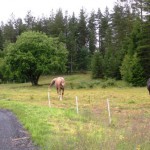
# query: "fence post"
108, 106
77, 104
49, 102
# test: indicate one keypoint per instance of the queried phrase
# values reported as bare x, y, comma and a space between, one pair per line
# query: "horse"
148, 85
60, 85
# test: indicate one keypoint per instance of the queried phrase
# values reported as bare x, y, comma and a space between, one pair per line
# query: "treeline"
112, 44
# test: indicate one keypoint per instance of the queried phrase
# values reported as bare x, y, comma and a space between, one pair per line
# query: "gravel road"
12, 134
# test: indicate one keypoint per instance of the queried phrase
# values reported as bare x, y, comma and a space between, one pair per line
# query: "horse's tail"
52, 83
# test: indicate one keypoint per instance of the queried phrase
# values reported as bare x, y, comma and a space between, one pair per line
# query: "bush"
132, 71
108, 83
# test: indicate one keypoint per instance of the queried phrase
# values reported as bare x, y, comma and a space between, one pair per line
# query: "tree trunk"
35, 79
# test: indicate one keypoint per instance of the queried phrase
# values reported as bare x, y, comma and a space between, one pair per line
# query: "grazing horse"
59, 84
148, 85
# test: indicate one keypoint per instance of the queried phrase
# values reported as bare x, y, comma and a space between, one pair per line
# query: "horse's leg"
60, 95
62, 92
58, 92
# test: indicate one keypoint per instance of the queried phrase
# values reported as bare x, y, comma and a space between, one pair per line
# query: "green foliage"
143, 53
97, 66
58, 25
123, 31
126, 69
1, 40
143, 49
92, 33
108, 83
132, 71
34, 54
111, 64
135, 67
71, 43
83, 59
82, 30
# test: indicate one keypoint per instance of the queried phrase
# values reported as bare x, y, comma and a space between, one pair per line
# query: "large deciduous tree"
34, 53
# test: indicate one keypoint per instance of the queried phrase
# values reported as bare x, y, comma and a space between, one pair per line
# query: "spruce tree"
92, 32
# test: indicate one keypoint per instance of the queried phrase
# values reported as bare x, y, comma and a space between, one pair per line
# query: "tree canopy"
34, 53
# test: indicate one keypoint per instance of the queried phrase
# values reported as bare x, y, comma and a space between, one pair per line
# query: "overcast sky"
43, 7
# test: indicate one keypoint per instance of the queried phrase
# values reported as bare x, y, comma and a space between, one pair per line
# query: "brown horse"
60, 85
148, 85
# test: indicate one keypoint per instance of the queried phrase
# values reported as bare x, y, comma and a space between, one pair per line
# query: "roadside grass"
60, 127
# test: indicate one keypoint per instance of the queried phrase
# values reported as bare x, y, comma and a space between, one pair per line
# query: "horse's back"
60, 81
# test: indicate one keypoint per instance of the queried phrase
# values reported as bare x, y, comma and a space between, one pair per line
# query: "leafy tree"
34, 54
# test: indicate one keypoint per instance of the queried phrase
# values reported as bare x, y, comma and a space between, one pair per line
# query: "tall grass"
60, 128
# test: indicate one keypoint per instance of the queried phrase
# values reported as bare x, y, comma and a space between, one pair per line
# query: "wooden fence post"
49, 102
77, 105
108, 106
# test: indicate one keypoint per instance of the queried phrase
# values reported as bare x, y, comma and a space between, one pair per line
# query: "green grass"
60, 127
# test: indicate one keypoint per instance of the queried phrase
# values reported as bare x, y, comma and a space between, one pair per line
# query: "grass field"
61, 128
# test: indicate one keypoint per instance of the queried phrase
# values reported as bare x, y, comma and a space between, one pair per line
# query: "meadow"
61, 128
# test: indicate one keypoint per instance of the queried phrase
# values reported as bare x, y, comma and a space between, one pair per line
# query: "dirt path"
12, 134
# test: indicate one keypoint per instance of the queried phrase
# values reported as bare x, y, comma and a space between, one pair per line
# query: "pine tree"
71, 43
92, 32
82, 39
103, 25
98, 27
29, 20
82, 30
9, 32
1, 40
59, 24
97, 66
19, 26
